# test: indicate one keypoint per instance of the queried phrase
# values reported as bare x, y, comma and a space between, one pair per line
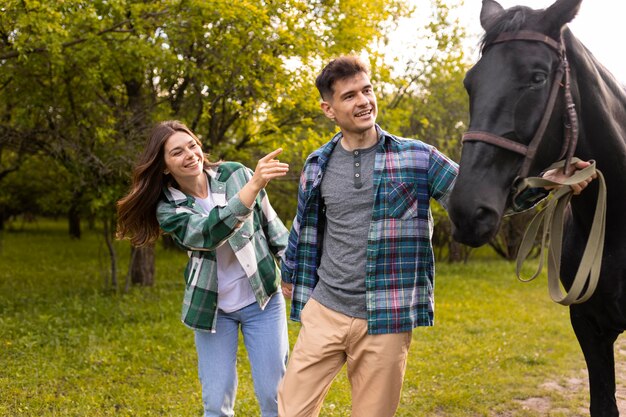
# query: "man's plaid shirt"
257, 236
399, 276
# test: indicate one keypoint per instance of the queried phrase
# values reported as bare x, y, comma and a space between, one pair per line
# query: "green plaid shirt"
257, 236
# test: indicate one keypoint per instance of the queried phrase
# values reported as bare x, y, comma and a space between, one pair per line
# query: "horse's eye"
538, 79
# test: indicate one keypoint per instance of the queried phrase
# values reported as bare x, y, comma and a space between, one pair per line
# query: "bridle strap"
527, 35
571, 128
499, 141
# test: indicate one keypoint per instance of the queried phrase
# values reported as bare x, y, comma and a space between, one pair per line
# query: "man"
359, 265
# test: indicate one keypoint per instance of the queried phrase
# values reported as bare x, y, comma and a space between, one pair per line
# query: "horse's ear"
561, 13
489, 13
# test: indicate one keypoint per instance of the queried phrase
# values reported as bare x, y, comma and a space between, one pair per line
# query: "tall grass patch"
69, 346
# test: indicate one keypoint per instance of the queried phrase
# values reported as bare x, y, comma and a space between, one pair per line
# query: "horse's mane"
595, 71
511, 20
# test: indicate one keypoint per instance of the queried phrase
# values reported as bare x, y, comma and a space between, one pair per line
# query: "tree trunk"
455, 251
168, 243
141, 268
73, 218
91, 222
142, 265
506, 243
73, 215
112, 253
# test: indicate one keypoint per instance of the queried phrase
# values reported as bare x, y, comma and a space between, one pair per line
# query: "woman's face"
183, 157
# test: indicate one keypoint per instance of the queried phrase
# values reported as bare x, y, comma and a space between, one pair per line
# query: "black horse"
532, 65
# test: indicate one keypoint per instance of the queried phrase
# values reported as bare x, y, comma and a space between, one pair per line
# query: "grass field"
70, 348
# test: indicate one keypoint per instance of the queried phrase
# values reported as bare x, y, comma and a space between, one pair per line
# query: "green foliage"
71, 348
83, 80
39, 186
429, 102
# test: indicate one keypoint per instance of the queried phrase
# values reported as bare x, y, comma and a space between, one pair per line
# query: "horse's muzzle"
474, 228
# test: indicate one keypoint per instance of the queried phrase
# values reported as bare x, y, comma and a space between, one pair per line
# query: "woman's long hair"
136, 212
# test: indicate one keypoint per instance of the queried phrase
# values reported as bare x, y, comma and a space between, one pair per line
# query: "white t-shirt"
234, 289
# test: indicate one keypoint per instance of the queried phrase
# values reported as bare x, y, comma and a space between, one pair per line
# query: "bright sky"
600, 25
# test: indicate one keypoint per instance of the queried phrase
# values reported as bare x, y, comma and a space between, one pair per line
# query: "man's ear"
328, 110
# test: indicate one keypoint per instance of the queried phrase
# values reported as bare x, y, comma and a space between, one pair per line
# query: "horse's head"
509, 90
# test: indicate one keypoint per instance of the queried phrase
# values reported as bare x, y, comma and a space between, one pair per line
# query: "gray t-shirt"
347, 193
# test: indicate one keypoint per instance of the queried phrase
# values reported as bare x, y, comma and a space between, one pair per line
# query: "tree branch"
114, 28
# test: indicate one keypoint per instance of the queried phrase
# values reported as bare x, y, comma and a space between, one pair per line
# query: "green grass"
68, 347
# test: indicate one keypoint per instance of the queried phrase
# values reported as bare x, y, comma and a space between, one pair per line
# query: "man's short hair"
338, 69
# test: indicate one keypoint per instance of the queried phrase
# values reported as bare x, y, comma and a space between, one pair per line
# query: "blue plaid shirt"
399, 274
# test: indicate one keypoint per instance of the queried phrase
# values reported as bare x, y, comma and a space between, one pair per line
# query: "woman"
219, 213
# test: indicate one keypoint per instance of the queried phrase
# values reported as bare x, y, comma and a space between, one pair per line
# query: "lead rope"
552, 216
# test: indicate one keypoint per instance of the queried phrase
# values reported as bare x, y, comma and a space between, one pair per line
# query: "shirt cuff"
240, 210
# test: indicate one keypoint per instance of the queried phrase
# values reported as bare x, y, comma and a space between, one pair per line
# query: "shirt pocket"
402, 201
193, 269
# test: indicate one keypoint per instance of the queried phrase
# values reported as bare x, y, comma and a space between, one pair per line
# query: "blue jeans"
265, 337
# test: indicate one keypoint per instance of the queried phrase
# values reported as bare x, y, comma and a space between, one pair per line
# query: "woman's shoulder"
225, 170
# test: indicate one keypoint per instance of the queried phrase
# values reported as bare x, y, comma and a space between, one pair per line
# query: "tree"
82, 80
74, 66
39, 185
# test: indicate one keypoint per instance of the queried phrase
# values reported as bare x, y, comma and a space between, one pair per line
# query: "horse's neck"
600, 98
601, 106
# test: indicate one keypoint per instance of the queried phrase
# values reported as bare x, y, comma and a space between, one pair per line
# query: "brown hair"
136, 212
338, 69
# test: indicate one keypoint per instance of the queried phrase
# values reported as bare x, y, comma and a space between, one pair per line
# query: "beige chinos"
328, 339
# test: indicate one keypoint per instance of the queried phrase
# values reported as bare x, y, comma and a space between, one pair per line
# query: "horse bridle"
561, 78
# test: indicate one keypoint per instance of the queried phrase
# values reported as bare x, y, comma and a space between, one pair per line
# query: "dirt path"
574, 386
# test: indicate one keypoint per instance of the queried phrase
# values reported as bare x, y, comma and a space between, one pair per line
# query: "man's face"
353, 104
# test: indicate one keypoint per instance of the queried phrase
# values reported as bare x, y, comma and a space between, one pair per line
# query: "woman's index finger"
272, 154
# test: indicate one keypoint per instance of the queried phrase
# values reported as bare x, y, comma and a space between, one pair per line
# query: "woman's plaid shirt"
257, 236
399, 276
